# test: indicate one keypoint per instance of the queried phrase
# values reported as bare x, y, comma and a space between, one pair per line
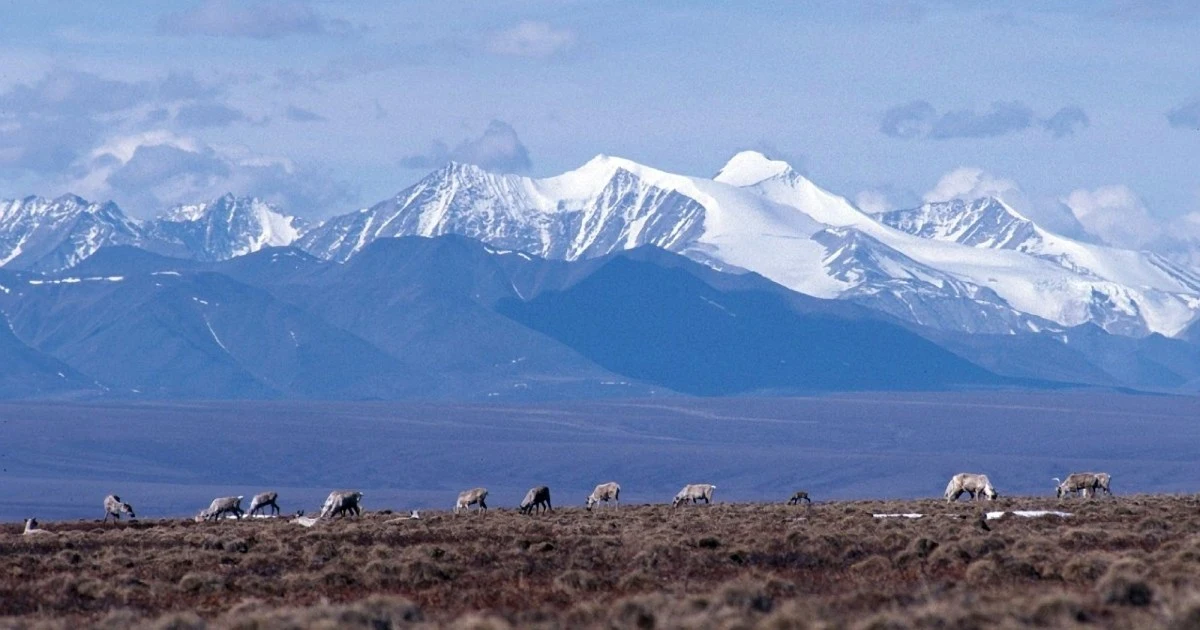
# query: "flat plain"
1129, 562
58, 460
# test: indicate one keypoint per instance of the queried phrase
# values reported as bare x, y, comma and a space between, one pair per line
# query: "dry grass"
1128, 562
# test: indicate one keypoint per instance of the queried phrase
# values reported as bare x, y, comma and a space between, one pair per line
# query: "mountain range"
38, 234
969, 266
615, 279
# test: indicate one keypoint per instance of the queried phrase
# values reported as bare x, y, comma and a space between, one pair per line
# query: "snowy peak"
751, 167
778, 182
50, 235
47, 235
226, 227
986, 223
890, 281
606, 205
976, 266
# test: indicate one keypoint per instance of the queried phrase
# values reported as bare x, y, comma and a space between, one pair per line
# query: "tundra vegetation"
1129, 562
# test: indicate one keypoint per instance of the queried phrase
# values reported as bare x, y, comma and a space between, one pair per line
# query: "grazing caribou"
537, 497
114, 507
799, 496
605, 492
973, 484
474, 496
219, 507
341, 502
694, 492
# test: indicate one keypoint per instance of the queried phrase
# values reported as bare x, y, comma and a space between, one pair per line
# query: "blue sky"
1084, 114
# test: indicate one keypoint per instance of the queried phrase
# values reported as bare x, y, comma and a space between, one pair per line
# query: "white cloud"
1116, 215
149, 171
873, 202
265, 19
972, 183
122, 147
498, 149
531, 39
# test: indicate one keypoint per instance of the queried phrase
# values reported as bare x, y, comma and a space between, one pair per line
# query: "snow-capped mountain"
1033, 270
601, 208
43, 235
225, 227
889, 281
606, 205
986, 222
975, 266
972, 266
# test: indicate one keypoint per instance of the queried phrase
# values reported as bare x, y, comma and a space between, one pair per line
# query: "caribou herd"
343, 503
977, 485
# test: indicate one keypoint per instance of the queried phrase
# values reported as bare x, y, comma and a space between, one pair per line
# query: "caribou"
605, 492
1085, 483
537, 497
341, 502
798, 496
693, 492
219, 507
114, 507
972, 483
264, 500
474, 496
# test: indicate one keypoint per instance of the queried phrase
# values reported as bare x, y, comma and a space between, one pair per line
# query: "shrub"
1124, 589
1087, 567
202, 582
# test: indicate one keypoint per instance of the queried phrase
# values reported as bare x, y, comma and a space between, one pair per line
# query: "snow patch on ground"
214, 335
77, 280
1029, 514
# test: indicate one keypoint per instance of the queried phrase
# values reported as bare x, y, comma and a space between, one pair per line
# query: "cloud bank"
498, 149
1186, 116
150, 171
531, 39
920, 119
267, 19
